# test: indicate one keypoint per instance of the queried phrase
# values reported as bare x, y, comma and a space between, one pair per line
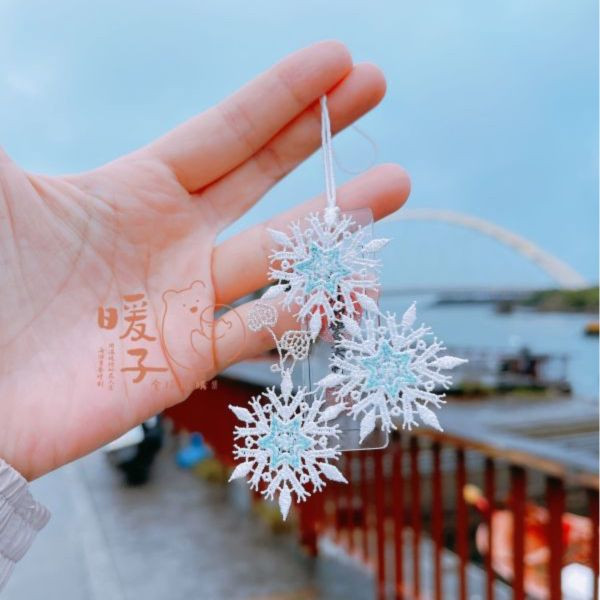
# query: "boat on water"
497, 371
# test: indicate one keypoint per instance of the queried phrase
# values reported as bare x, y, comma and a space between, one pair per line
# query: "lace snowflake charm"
325, 272
389, 371
287, 444
325, 268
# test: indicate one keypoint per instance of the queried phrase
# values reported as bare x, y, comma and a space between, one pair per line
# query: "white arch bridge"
564, 275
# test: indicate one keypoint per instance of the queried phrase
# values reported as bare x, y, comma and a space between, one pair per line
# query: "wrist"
21, 517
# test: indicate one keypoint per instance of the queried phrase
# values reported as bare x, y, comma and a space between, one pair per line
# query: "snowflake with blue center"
385, 370
285, 442
389, 369
325, 268
288, 443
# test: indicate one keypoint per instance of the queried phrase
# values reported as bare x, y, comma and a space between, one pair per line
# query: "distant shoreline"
560, 301
570, 301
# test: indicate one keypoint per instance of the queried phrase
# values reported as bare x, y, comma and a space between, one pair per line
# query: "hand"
103, 272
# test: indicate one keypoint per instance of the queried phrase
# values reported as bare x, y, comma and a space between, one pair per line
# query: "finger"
4, 158
241, 263
360, 91
214, 142
241, 342
7, 164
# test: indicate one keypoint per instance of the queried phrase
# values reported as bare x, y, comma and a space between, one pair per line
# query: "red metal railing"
407, 515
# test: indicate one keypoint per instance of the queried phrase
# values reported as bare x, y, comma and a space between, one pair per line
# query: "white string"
327, 159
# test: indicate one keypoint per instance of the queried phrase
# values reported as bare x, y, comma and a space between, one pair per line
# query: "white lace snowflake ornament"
288, 440
388, 370
325, 268
288, 444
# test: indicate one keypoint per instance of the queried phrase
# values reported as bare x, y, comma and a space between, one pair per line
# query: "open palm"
110, 278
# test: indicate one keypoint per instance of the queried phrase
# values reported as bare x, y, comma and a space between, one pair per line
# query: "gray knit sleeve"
21, 517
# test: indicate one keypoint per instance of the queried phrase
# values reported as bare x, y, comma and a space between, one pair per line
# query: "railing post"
415, 509
330, 502
380, 523
555, 500
518, 498
490, 494
461, 524
309, 523
398, 506
334, 507
344, 501
437, 520
364, 496
593, 501
350, 510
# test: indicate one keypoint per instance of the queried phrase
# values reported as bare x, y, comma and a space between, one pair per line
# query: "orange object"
576, 533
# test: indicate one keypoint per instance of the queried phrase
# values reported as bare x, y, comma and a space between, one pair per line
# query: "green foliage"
585, 300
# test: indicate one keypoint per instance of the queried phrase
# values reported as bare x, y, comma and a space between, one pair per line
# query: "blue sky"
492, 107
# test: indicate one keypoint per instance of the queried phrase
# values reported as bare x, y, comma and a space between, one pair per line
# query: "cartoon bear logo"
189, 326
181, 328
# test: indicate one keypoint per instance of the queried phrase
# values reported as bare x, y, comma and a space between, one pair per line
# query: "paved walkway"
177, 538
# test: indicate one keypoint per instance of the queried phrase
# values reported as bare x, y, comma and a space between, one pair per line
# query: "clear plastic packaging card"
317, 366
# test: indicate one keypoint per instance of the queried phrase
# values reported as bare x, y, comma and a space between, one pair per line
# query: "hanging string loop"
331, 211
